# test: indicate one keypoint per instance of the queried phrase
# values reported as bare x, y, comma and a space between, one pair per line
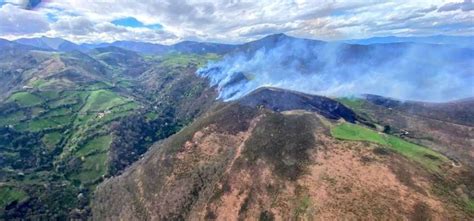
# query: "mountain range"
140, 131
58, 44
462, 41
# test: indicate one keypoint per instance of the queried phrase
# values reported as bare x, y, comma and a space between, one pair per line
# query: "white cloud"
16, 21
234, 21
81, 29
74, 25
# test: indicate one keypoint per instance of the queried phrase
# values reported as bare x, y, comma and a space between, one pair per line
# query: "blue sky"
134, 23
233, 21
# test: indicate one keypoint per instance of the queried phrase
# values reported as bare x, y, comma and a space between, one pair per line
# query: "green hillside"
422, 155
64, 130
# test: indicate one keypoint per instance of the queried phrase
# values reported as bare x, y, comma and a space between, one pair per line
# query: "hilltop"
255, 159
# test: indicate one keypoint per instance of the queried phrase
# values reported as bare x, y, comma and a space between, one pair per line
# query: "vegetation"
70, 128
180, 60
52, 139
134, 135
96, 145
352, 102
429, 159
286, 147
92, 169
12, 118
60, 135
10, 194
25, 99
470, 205
101, 100
303, 205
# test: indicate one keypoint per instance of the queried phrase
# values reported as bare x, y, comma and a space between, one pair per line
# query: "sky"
233, 21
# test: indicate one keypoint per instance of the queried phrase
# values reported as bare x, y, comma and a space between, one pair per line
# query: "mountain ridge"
58, 44
464, 41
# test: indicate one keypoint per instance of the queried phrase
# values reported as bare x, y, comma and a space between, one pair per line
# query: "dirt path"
245, 136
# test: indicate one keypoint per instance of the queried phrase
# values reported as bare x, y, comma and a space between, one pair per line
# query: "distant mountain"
142, 47
15, 59
465, 41
182, 47
10, 48
272, 41
127, 61
53, 44
58, 44
202, 47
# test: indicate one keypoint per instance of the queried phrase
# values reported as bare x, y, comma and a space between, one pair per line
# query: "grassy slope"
353, 103
52, 139
429, 159
180, 60
9, 194
94, 156
25, 99
101, 100
96, 145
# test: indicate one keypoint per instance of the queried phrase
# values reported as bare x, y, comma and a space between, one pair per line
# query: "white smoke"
403, 71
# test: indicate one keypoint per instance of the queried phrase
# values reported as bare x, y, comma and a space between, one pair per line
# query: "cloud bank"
234, 21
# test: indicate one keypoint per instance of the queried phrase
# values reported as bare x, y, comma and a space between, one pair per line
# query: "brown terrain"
446, 127
243, 162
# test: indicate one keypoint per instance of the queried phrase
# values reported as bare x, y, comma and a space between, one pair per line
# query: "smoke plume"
405, 71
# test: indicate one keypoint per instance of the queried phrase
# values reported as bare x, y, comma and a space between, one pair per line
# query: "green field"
45, 123
69, 98
180, 60
93, 167
9, 194
354, 103
58, 112
429, 159
98, 144
52, 139
354, 132
25, 99
101, 100
94, 159
50, 95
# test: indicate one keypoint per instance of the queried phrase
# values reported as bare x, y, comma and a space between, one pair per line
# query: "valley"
63, 133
